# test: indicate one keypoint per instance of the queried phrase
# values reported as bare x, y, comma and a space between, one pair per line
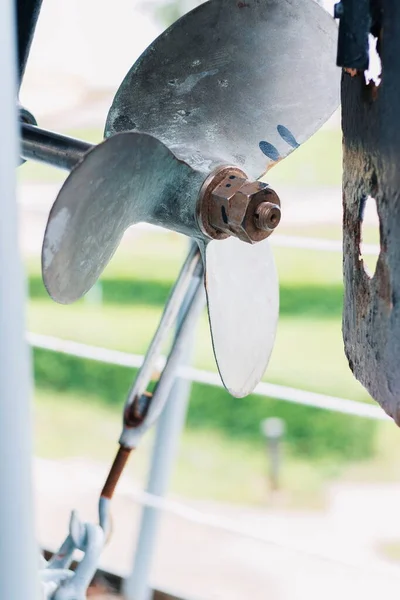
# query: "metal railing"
269, 390
171, 423
168, 430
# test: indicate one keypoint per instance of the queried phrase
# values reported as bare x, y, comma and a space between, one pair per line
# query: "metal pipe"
182, 294
27, 16
172, 307
18, 550
52, 148
179, 347
131, 436
168, 432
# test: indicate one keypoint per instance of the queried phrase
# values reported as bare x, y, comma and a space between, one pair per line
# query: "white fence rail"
243, 529
280, 392
199, 517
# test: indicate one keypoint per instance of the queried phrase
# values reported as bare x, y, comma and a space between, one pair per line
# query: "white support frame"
18, 550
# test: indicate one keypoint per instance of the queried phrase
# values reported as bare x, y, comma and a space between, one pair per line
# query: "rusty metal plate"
241, 83
127, 179
243, 305
371, 142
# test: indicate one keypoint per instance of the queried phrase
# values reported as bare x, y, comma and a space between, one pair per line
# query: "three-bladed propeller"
226, 92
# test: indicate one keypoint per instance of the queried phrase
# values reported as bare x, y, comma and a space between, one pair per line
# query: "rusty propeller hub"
230, 204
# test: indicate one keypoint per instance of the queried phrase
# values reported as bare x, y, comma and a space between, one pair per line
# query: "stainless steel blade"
242, 83
243, 305
127, 179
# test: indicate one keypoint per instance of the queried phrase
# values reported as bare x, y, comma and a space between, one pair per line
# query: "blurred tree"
168, 11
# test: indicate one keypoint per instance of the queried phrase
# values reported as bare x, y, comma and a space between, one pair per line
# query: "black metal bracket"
355, 24
27, 16
27, 12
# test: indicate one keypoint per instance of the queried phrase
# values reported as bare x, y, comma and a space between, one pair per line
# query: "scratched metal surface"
243, 305
240, 83
125, 180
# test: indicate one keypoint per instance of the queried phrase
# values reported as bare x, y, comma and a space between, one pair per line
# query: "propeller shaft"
52, 148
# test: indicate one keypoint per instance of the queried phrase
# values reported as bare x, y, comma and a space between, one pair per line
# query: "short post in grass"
273, 430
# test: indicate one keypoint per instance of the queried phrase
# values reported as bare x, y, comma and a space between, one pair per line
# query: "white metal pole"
166, 442
18, 550
168, 432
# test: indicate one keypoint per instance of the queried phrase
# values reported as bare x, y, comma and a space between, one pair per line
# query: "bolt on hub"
230, 204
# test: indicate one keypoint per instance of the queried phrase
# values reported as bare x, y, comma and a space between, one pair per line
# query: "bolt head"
228, 208
214, 201
265, 195
267, 216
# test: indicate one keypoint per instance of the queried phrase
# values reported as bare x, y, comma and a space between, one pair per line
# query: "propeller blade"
243, 305
231, 85
241, 83
129, 178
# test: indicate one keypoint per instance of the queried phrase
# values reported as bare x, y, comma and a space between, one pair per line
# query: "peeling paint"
190, 82
351, 72
54, 234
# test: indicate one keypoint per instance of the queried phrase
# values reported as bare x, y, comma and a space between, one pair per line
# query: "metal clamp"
58, 581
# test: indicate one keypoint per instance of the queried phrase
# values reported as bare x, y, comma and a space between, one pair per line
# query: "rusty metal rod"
188, 291
115, 473
108, 490
136, 585
171, 309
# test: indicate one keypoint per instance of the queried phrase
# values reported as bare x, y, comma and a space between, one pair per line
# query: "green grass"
318, 162
308, 353
383, 466
389, 550
309, 349
209, 466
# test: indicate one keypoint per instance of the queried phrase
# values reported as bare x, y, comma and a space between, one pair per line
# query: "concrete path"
200, 562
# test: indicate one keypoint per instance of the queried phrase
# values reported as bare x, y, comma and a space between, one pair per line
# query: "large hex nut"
248, 210
229, 204
213, 209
